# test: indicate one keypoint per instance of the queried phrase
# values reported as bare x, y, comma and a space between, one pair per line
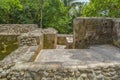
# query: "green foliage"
49, 13
6, 7
58, 14
106, 8
54, 15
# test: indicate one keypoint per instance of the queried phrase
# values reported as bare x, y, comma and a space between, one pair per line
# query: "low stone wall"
8, 43
22, 54
32, 38
61, 39
90, 31
9, 34
17, 29
36, 71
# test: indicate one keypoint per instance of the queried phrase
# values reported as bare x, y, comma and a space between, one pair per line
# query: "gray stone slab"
94, 55
22, 54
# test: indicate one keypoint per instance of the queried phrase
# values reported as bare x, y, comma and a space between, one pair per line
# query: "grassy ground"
8, 43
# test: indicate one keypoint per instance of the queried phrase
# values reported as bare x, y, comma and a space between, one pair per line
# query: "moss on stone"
8, 43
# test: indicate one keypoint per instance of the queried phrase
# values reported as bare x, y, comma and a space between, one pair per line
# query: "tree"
74, 10
6, 8
41, 11
52, 13
106, 8
55, 15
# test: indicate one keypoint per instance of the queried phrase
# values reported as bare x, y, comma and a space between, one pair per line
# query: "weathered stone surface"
22, 54
69, 43
9, 34
61, 38
116, 32
89, 31
49, 38
40, 71
8, 43
16, 29
97, 63
61, 47
72, 57
32, 38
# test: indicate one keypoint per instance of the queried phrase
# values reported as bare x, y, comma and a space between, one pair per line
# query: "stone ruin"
91, 31
90, 53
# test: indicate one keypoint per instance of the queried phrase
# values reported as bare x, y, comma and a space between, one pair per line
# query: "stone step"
61, 47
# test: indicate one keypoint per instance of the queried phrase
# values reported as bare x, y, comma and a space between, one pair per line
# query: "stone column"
50, 38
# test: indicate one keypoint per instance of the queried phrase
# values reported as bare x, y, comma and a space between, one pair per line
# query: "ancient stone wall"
32, 38
9, 34
89, 31
16, 29
61, 38
35, 71
20, 65
8, 43
116, 32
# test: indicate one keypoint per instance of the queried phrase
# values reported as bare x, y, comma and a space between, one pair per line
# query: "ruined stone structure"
9, 34
38, 56
91, 31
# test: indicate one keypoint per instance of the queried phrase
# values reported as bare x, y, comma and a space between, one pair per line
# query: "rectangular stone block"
50, 38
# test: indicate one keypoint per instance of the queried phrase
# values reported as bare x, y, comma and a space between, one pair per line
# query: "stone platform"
98, 54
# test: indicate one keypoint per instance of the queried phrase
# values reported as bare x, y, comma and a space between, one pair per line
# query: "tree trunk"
41, 18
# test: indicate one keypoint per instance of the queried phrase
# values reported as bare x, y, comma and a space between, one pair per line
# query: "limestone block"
50, 38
